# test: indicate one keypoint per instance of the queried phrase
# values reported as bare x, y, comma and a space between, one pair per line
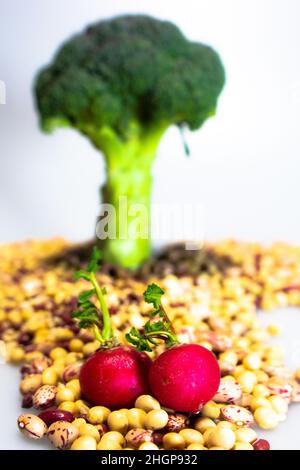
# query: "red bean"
26, 369
27, 400
51, 416
105, 427
83, 415
25, 338
261, 444
158, 438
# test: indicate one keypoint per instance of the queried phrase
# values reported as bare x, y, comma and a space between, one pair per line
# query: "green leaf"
153, 294
94, 263
131, 339
158, 329
76, 314
144, 346
91, 314
138, 340
81, 275
86, 304
86, 323
85, 295
155, 326
134, 333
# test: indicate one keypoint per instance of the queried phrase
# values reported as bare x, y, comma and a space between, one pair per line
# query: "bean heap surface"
212, 297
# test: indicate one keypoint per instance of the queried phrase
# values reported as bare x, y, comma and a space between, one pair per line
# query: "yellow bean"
196, 447
222, 437
245, 435
266, 418
82, 407
242, 446
17, 355
118, 421
148, 446
211, 410
68, 406
136, 418
202, 424
173, 441
156, 419
84, 442
147, 403
64, 394
278, 404
49, 376
86, 429
98, 414
247, 380
76, 345
260, 390
74, 386
252, 361
191, 436
256, 402
57, 353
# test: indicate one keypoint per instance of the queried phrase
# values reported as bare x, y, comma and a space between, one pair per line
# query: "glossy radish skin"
115, 377
185, 377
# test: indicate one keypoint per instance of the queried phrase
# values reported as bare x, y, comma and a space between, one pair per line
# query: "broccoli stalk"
128, 173
122, 83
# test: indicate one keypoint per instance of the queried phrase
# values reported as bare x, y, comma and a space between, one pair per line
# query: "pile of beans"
212, 299
76, 426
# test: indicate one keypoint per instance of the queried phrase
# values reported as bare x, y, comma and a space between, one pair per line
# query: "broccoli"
122, 83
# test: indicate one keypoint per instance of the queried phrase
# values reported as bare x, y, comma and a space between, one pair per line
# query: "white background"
244, 167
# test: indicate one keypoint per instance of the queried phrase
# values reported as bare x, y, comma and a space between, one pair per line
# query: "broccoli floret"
122, 83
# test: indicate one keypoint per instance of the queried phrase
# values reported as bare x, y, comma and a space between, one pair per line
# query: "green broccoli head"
131, 69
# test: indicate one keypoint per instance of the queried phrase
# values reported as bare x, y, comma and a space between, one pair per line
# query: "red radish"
115, 377
185, 377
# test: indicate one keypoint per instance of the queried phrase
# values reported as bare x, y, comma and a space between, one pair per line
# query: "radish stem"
107, 329
88, 314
